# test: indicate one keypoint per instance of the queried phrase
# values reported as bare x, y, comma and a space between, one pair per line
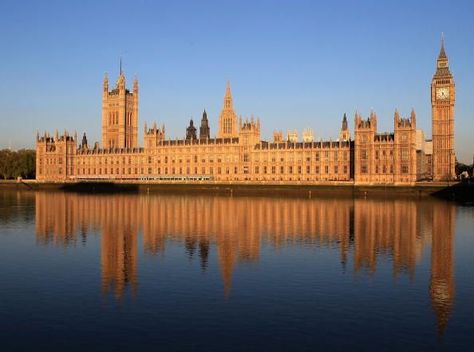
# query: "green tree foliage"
460, 167
21, 163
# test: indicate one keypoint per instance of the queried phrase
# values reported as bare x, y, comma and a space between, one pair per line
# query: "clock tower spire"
443, 96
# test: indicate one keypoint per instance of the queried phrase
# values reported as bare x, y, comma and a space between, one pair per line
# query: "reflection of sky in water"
294, 272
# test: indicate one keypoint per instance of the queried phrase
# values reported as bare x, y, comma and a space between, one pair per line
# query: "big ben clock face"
442, 93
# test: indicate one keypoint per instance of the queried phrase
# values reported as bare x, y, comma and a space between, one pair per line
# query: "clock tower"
443, 96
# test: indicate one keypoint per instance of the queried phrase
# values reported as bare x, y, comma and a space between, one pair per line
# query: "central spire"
228, 127
228, 97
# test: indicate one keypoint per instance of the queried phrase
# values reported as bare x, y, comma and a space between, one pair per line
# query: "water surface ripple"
163, 272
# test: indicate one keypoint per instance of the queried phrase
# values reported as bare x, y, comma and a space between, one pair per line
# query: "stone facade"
119, 115
238, 153
385, 157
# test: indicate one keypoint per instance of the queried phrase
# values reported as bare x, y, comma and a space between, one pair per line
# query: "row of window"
220, 170
114, 118
364, 154
299, 169
384, 153
49, 171
195, 158
364, 169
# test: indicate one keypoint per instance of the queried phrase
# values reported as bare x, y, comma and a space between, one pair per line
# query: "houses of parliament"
238, 154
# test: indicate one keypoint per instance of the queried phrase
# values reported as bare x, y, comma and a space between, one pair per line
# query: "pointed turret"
373, 119
106, 83
135, 85
84, 141
413, 117
204, 130
121, 84
191, 131
121, 78
344, 122
344, 134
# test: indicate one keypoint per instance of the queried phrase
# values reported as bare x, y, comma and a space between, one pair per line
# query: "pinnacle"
442, 52
227, 90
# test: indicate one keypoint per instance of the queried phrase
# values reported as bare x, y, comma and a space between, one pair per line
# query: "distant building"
292, 136
308, 135
239, 154
277, 137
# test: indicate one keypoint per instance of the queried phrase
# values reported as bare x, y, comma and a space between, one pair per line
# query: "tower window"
404, 154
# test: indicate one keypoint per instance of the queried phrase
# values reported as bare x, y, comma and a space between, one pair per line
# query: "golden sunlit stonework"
238, 154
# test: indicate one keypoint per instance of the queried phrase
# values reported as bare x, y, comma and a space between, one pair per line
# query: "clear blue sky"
294, 64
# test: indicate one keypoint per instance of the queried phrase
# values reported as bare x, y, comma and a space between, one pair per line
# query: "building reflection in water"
398, 229
442, 263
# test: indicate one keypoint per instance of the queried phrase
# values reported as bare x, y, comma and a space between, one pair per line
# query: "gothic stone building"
239, 154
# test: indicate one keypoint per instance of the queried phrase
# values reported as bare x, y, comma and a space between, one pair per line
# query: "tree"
21, 163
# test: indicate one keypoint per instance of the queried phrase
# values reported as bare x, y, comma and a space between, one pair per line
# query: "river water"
164, 272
